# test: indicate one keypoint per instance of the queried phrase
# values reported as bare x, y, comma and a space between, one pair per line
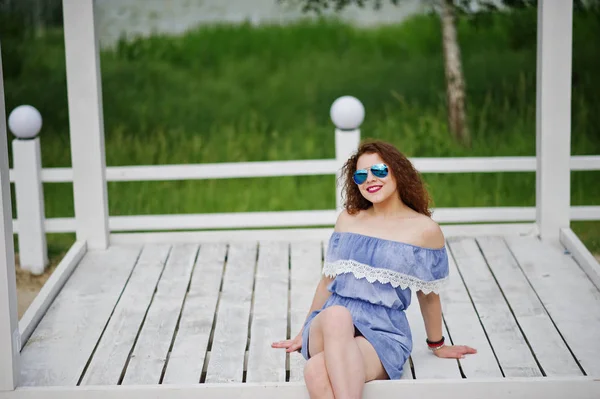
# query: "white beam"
86, 123
44, 298
464, 388
553, 119
582, 255
303, 234
9, 328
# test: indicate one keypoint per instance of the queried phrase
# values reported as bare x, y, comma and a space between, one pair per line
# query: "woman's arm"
321, 296
431, 305
431, 309
322, 293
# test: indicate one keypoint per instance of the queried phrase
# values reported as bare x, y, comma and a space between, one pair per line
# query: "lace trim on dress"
384, 276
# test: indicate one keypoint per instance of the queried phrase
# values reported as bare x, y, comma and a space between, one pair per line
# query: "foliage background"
225, 93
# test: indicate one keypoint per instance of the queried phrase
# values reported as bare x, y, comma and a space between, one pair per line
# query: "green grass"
242, 93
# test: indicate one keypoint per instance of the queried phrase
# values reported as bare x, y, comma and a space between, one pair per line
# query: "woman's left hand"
454, 351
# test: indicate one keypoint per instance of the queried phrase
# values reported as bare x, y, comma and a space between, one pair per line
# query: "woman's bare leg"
332, 333
317, 379
373, 368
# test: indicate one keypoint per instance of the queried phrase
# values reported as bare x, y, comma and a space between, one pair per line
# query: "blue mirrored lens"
379, 170
360, 176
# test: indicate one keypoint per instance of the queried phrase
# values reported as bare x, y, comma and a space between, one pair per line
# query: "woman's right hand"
290, 345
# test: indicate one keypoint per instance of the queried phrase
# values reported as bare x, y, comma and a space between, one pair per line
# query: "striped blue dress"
373, 279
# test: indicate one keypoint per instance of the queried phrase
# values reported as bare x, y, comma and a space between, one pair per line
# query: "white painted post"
347, 114
25, 122
553, 119
10, 337
86, 123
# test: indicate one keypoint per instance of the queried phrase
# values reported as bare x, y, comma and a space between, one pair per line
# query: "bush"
245, 93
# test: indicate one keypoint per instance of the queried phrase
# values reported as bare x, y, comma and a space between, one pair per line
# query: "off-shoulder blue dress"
373, 280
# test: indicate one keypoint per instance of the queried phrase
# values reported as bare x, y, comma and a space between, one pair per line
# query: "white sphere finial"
25, 122
347, 113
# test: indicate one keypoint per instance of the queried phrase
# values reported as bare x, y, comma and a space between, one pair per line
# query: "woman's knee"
315, 374
337, 319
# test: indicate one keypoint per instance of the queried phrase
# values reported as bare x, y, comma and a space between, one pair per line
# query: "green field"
243, 93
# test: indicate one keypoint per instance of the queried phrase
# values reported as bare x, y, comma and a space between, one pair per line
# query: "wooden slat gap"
212, 332
450, 253
462, 373
512, 312
187, 290
245, 369
288, 334
87, 364
214, 322
543, 306
124, 371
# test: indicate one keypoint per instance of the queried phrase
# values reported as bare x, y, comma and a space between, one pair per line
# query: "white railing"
305, 168
347, 114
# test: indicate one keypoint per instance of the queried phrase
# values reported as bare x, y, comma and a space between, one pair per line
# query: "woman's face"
375, 189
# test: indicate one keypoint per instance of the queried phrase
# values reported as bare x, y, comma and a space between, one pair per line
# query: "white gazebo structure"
137, 310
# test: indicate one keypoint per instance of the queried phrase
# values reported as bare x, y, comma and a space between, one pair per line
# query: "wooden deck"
207, 312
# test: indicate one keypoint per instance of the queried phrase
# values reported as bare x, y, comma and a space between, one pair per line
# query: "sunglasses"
379, 170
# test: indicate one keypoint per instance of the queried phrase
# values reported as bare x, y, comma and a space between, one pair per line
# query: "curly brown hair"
411, 188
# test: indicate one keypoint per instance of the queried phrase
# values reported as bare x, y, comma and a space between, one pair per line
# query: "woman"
384, 245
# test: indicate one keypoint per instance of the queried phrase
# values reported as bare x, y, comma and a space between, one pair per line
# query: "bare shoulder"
429, 233
344, 221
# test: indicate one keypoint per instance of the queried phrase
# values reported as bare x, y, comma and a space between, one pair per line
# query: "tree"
455, 83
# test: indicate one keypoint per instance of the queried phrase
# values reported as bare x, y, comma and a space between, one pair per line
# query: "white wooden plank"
86, 125
465, 328
231, 331
50, 289
302, 218
473, 164
226, 236
553, 116
547, 344
476, 230
585, 213
74, 322
569, 296
425, 363
222, 220
111, 354
513, 388
187, 357
54, 225
9, 328
270, 313
222, 170
306, 265
585, 162
581, 254
484, 214
510, 347
150, 353
304, 234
